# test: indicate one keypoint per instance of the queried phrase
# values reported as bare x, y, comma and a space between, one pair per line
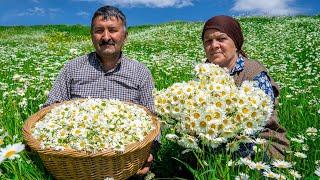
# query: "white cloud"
33, 11
265, 7
83, 14
148, 3
37, 11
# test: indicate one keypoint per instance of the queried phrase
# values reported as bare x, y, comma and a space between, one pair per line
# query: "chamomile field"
32, 56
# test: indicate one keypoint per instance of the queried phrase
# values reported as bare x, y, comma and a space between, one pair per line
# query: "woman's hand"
146, 167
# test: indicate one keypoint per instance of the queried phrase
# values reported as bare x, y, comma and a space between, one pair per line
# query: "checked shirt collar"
98, 64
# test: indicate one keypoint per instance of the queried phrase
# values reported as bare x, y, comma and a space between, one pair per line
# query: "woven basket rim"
35, 144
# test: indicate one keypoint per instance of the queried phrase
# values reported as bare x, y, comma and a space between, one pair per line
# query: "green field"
31, 57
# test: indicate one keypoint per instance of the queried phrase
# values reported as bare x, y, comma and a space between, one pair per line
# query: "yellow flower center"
264, 104
95, 117
82, 144
246, 89
211, 131
203, 124
221, 127
196, 115
228, 101
77, 131
245, 110
202, 70
201, 100
219, 104
249, 124
217, 115
238, 118
10, 153
241, 101
193, 124
208, 117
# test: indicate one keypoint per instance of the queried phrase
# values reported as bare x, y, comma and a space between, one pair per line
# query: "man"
106, 73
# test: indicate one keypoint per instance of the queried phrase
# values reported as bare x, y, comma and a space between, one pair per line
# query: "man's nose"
106, 35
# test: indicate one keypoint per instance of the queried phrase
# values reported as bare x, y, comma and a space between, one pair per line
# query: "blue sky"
141, 12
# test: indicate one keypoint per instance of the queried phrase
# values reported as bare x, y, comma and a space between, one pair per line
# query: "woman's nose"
215, 44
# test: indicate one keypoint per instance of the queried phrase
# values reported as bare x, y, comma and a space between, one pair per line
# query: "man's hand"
146, 167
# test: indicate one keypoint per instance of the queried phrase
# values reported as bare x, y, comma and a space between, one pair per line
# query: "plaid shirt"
84, 77
261, 79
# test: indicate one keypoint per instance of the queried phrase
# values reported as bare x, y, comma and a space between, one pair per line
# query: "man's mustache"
107, 42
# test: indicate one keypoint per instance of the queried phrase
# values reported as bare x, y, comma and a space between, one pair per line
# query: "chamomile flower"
246, 161
231, 163
233, 146
311, 131
271, 174
261, 166
281, 177
297, 140
300, 155
172, 137
317, 171
295, 174
281, 164
260, 141
242, 176
11, 151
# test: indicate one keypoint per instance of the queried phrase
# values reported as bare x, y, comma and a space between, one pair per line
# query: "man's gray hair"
107, 12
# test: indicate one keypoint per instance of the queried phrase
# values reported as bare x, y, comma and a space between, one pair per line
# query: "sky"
144, 12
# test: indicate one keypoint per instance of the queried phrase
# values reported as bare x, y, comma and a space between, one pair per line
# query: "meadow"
31, 57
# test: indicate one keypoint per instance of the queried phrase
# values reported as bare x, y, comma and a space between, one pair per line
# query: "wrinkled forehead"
111, 20
107, 18
213, 33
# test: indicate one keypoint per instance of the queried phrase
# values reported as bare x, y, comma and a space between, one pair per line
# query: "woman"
222, 40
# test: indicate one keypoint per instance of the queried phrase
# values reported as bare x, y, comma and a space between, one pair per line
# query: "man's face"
108, 36
220, 48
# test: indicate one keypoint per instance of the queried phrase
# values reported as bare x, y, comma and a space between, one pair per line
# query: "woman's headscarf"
229, 26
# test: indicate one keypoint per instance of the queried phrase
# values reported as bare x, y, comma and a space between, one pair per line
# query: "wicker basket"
71, 164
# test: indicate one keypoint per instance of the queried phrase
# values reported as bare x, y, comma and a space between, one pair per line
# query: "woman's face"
220, 48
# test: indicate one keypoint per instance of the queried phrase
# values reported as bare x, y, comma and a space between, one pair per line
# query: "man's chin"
107, 53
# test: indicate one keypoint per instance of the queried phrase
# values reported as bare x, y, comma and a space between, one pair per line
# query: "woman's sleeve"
264, 84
